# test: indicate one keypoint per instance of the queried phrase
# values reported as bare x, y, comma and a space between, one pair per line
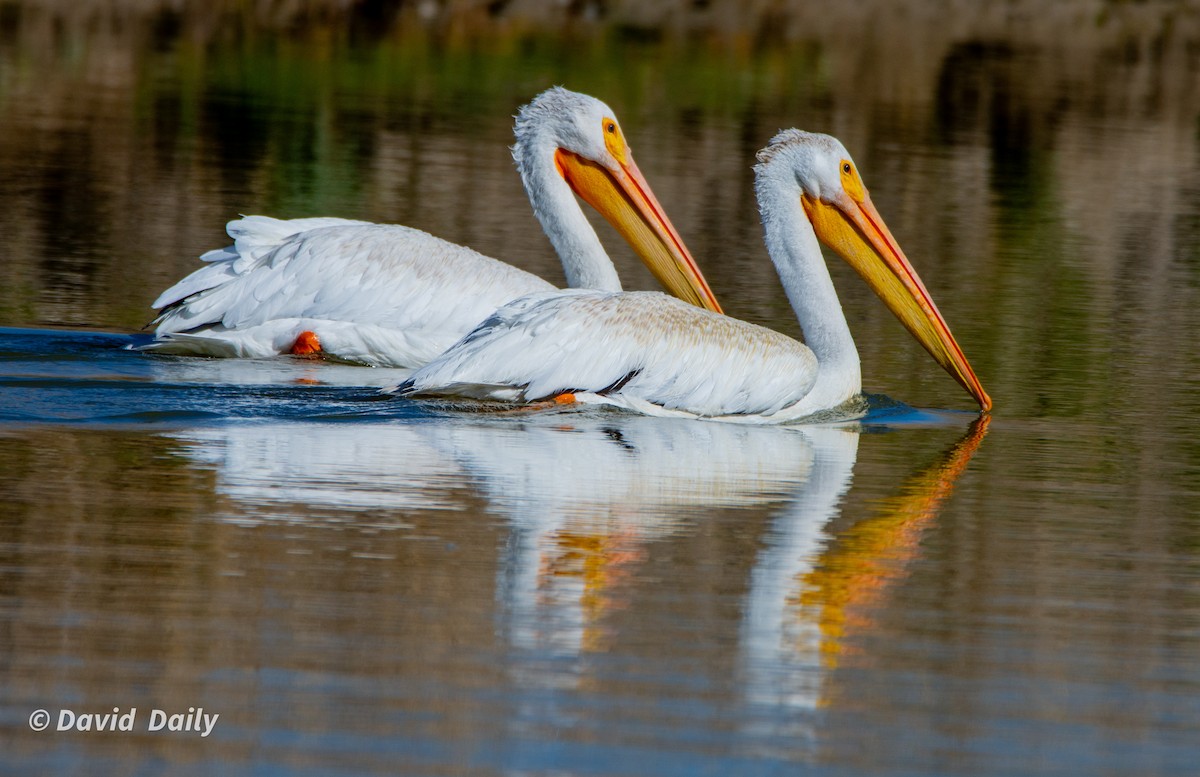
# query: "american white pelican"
647, 352
391, 295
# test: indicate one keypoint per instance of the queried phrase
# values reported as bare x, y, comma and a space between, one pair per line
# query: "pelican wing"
642, 350
253, 238
382, 294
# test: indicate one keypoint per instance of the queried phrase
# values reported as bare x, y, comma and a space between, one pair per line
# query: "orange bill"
625, 200
854, 229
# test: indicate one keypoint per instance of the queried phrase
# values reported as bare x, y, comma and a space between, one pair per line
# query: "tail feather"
207, 277
400, 389
254, 238
182, 344
487, 391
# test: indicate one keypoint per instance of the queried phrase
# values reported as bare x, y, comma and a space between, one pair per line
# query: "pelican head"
580, 137
843, 217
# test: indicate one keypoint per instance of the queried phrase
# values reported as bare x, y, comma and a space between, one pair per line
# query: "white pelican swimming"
647, 352
391, 295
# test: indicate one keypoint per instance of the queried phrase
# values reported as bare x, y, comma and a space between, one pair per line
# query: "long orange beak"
854, 229
625, 200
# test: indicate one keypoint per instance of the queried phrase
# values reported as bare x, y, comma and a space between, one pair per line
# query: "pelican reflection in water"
586, 493
812, 591
580, 469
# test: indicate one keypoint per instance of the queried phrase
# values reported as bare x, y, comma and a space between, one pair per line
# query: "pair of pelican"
392, 295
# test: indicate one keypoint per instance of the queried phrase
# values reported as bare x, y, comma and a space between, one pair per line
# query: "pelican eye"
613, 140
851, 182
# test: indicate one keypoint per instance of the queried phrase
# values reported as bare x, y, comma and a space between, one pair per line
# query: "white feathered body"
377, 294
644, 351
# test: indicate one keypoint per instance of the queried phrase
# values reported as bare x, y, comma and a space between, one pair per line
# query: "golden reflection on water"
853, 575
814, 589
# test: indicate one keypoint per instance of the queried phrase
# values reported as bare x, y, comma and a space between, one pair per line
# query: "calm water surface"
362, 585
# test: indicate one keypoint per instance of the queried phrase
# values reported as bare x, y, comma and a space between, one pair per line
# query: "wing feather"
343, 273
635, 347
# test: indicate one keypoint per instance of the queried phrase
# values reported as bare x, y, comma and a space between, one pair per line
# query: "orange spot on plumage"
307, 344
